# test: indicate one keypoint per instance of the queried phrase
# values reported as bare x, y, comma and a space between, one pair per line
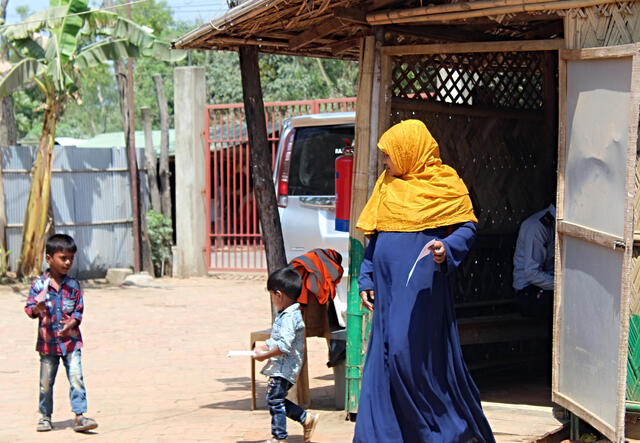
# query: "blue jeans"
49, 369
281, 408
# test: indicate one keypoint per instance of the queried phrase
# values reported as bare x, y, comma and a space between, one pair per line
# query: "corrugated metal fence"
91, 201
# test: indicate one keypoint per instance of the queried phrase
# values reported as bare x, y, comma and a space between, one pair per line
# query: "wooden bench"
500, 328
499, 322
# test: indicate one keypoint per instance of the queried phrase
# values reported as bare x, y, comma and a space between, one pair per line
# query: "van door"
599, 94
308, 221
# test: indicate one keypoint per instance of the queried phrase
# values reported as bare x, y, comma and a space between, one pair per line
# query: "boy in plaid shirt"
55, 299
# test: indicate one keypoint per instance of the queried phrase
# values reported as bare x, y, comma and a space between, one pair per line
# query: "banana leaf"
132, 32
67, 33
161, 50
54, 63
47, 18
103, 52
29, 47
21, 74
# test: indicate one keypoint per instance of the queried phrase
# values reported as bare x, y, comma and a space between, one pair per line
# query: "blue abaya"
415, 385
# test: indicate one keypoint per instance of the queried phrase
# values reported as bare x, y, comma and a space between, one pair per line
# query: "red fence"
235, 242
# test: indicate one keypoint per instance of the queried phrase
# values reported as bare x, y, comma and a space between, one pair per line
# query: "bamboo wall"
602, 25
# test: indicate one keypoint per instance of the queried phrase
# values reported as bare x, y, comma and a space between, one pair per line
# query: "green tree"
52, 48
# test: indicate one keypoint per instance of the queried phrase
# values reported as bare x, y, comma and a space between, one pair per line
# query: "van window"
312, 170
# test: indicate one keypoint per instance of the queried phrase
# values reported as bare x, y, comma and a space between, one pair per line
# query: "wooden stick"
375, 114
590, 235
619, 51
453, 48
448, 7
449, 16
247, 41
150, 159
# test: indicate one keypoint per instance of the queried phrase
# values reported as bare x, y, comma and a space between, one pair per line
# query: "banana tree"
51, 50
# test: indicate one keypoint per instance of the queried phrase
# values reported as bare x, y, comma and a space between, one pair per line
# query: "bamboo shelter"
532, 102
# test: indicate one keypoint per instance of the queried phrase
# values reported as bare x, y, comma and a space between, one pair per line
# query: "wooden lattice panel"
501, 80
602, 25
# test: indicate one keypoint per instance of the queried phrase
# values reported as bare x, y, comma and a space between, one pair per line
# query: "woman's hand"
439, 252
367, 299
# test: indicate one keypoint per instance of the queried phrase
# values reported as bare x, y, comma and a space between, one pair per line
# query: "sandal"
85, 424
44, 424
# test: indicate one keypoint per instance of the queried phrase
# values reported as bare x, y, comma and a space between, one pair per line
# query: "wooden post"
261, 158
150, 159
165, 184
121, 78
359, 196
8, 137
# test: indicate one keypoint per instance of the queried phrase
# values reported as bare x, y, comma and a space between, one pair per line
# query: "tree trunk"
261, 159
141, 243
8, 137
165, 184
36, 216
150, 157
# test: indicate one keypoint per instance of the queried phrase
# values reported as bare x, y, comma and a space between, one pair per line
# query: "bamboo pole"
418, 17
356, 238
449, 7
469, 47
164, 173
150, 159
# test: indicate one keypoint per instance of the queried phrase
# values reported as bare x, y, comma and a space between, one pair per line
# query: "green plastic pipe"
353, 370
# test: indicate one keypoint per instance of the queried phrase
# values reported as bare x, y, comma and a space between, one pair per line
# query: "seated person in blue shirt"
285, 351
533, 264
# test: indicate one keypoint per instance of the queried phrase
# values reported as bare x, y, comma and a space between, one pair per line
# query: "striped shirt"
61, 306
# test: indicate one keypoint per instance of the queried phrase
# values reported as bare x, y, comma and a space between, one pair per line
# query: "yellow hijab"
427, 195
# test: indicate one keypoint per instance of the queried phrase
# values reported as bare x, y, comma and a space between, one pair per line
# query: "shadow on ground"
67, 425
290, 439
322, 399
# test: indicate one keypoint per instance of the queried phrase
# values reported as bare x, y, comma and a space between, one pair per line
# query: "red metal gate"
235, 242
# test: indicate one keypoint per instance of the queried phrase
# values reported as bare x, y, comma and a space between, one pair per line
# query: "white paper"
241, 353
426, 250
42, 295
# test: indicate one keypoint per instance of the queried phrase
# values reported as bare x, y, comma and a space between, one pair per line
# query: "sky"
187, 10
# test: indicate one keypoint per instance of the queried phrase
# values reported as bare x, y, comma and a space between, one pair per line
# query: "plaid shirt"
61, 306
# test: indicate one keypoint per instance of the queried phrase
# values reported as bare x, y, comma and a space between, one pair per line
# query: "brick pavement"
155, 367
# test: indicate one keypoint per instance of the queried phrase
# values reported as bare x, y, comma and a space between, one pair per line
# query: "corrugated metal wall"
91, 200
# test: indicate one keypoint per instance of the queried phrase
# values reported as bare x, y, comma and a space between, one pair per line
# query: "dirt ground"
155, 366
156, 370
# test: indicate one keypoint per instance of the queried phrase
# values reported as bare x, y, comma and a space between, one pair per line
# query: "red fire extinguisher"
344, 168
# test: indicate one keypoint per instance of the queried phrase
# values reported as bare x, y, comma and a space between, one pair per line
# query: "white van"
304, 177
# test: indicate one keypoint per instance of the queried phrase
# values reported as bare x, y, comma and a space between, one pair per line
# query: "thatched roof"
332, 28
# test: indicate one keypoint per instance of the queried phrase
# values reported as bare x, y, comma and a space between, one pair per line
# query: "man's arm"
535, 255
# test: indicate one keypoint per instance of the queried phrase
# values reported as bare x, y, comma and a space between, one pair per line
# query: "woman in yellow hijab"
421, 225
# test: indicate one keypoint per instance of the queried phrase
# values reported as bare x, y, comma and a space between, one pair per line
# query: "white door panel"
596, 189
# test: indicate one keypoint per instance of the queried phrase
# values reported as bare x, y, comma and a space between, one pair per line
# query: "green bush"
161, 239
